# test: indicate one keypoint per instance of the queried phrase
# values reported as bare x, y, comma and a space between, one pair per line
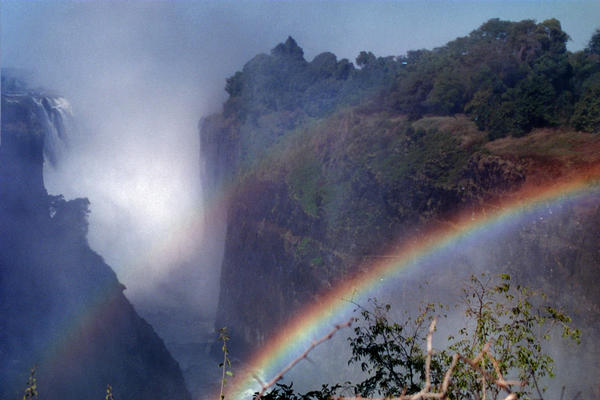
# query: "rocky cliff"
320, 170
63, 309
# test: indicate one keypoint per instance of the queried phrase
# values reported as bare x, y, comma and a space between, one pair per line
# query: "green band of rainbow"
334, 307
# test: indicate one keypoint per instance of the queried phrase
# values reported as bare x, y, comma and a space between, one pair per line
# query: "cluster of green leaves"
390, 353
586, 65
109, 393
516, 323
285, 81
31, 391
283, 391
512, 320
226, 364
509, 77
367, 174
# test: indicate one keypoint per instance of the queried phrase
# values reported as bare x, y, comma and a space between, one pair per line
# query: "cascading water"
53, 112
56, 116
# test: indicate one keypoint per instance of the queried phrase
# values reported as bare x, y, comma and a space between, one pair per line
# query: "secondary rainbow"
334, 305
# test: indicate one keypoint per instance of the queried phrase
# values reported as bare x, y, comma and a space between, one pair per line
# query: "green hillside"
324, 163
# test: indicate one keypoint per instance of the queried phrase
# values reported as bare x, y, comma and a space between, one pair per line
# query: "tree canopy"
509, 77
498, 349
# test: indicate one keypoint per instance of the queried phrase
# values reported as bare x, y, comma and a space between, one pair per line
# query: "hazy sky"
140, 75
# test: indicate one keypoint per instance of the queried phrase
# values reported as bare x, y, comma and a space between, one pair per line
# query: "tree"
593, 46
389, 352
365, 58
447, 95
512, 321
507, 321
504, 328
586, 115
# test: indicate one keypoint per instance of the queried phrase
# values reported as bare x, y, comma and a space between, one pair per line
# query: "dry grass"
558, 144
459, 126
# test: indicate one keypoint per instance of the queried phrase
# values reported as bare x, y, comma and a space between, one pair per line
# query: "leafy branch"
278, 376
226, 364
498, 354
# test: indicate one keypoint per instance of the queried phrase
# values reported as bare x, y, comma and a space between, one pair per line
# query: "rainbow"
334, 307
71, 339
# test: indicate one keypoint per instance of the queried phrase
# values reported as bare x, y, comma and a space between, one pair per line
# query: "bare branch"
279, 375
427, 386
474, 363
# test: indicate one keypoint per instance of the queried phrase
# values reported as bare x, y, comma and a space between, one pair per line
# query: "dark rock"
62, 308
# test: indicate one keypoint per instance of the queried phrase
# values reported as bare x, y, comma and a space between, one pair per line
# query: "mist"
438, 278
139, 77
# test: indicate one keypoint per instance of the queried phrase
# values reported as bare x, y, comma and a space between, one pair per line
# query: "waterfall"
53, 112
56, 117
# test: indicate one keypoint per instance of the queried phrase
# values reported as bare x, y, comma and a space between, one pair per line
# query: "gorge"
63, 310
324, 183
320, 187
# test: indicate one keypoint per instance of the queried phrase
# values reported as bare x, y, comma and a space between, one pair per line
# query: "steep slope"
312, 196
63, 309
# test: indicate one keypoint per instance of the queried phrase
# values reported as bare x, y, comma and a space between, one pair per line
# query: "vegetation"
502, 338
226, 364
332, 162
509, 77
503, 335
31, 391
109, 393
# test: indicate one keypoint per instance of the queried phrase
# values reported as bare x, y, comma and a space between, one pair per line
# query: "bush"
502, 336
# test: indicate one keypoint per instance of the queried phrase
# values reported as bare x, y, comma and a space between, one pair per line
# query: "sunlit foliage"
509, 322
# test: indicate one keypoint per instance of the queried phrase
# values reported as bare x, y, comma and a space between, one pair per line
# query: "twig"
279, 375
537, 387
473, 363
427, 386
500, 381
425, 392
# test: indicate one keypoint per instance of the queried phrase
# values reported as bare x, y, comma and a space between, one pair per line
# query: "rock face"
312, 197
62, 308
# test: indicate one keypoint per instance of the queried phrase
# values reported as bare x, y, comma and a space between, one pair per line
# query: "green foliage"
515, 322
286, 392
365, 58
593, 46
389, 353
512, 320
306, 249
226, 364
509, 77
109, 393
31, 391
448, 94
307, 186
284, 82
509, 320
586, 116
